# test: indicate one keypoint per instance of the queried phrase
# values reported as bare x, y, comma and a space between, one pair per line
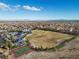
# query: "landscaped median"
41, 39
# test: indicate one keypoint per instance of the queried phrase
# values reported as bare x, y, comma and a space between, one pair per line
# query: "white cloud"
3, 6
6, 7
31, 8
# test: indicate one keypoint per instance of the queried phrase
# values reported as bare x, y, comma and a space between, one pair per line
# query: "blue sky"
39, 9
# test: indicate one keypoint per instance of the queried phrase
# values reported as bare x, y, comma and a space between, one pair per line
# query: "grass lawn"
47, 39
22, 50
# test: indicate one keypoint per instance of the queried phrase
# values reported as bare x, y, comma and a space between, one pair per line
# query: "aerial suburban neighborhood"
22, 38
39, 29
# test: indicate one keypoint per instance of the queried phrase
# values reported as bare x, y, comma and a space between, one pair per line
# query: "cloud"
6, 7
3, 6
32, 8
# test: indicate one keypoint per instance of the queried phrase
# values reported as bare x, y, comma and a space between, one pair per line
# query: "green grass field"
22, 50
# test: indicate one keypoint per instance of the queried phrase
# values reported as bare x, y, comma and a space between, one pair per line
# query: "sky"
39, 9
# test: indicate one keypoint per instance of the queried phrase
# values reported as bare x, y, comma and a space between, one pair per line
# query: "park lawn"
47, 39
22, 50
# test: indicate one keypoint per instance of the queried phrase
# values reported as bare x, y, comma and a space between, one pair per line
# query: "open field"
47, 39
